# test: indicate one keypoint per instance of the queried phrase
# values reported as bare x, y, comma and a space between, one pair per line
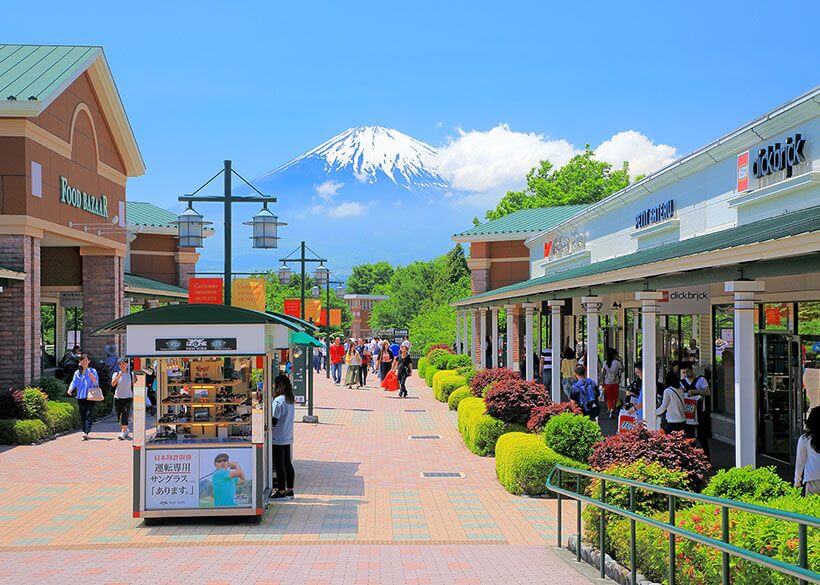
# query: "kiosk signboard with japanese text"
198, 478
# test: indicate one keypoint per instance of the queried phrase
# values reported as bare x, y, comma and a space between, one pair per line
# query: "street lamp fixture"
285, 275
190, 228
315, 292
265, 226
321, 275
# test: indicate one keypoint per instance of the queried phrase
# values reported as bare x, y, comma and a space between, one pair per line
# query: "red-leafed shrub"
11, 403
512, 400
484, 378
542, 414
673, 451
433, 346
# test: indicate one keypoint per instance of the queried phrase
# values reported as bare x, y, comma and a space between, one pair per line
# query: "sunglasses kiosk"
214, 365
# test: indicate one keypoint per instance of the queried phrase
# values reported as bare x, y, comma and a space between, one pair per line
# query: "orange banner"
312, 309
335, 318
248, 293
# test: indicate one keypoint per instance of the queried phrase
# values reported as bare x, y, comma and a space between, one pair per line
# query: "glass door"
780, 394
48, 335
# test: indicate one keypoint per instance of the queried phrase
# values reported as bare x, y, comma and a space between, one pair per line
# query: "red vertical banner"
743, 172
293, 307
322, 321
205, 291
260, 362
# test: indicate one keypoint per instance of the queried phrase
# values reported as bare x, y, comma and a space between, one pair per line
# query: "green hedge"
479, 430
523, 462
34, 403
458, 361
572, 435
429, 373
62, 416
748, 484
437, 378
699, 564
16, 432
443, 386
457, 396
54, 388
422, 366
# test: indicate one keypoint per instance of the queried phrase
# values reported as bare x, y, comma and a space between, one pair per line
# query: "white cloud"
348, 209
643, 155
327, 190
497, 160
483, 165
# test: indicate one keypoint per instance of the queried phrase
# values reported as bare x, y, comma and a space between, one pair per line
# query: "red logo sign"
547, 249
205, 291
743, 172
293, 307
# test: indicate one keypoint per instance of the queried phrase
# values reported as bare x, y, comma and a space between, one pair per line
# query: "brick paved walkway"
363, 513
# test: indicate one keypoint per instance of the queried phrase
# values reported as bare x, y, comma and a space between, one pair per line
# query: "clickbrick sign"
779, 157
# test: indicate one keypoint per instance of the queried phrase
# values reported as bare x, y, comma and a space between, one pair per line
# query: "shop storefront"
714, 260
73, 253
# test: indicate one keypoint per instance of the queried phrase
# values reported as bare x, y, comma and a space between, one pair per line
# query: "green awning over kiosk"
303, 338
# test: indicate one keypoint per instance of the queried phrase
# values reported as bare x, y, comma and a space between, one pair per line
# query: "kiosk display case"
209, 454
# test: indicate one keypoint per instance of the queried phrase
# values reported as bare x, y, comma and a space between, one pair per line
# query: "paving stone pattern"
364, 513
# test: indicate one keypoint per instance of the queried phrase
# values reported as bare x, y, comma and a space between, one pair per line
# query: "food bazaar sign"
98, 205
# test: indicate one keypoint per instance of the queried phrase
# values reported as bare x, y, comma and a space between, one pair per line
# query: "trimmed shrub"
62, 416
673, 451
513, 400
484, 378
53, 387
18, 432
523, 462
479, 430
467, 371
698, 564
457, 396
429, 373
458, 361
437, 379
646, 502
748, 484
448, 385
421, 368
542, 414
439, 357
572, 435
34, 403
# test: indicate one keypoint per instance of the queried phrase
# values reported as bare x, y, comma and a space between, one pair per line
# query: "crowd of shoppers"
353, 360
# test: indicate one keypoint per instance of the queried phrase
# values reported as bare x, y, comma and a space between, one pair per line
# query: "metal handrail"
801, 572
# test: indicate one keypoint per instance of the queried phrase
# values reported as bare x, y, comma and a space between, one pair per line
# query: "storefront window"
73, 327
48, 335
723, 358
808, 327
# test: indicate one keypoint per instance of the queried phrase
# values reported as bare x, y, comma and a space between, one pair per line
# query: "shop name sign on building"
196, 344
565, 245
98, 205
779, 157
686, 300
655, 214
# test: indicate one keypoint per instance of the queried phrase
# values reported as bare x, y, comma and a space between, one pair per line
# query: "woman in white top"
612, 369
807, 464
673, 404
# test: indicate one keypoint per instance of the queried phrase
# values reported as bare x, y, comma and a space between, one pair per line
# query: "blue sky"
262, 82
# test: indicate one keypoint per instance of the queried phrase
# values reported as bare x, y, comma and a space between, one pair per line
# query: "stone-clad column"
494, 334
512, 340
592, 305
482, 337
555, 330
458, 331
745, 370
649, 310
103, 296
529, 309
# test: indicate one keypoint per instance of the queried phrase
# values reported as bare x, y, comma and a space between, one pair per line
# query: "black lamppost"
303, 260
265, 224
322, 276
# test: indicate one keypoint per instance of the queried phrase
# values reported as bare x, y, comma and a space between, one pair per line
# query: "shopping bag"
390, 382
690, 409
626, 421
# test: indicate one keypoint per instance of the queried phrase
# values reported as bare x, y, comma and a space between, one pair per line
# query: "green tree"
457, 264
276, 293
584, 179
366, 277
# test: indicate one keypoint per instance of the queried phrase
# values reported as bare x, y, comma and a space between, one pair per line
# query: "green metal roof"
524, 221
774, 228
36, 71
148, 214
134, 281
194, 315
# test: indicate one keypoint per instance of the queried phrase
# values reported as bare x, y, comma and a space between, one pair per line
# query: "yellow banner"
313, 309
248, 293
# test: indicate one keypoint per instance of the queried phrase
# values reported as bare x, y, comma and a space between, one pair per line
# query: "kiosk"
214, 367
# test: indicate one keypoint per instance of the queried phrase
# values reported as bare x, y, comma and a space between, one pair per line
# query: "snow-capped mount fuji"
367, 154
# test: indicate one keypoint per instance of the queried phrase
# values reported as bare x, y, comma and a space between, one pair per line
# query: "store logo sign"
565, 245
743, 172
196, 344
98, 205
686, 300
779, 157
655, 214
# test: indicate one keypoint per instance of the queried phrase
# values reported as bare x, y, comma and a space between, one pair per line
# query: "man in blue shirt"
394, 349
85, 378
224, 479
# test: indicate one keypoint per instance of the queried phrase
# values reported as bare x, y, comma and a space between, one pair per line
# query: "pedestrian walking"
403, 366
568, 365
673, 406
385, 360
612, 380
585, 393
84, 380
697, 387
353, 359
122, 382
374, 351
545, 367
367, 359
807, 460
337, 356
282, 437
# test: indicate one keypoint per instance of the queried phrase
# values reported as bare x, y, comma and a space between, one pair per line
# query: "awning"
141, 285
194, 315
10, 274
302, 338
